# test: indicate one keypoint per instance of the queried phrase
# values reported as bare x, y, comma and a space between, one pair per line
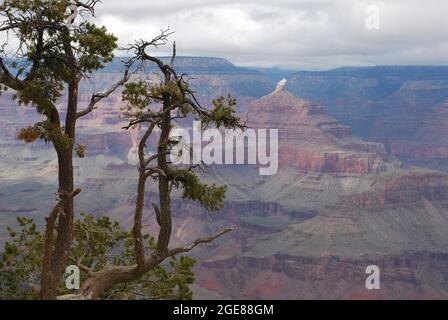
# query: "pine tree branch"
100, 96
197, 242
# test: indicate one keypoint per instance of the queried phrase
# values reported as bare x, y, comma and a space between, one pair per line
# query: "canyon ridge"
343, 198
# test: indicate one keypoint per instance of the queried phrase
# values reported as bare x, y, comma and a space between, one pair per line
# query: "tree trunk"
54, 265
164, 188
55, 261
98, 282
139, 246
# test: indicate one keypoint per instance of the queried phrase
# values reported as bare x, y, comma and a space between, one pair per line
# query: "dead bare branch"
197, 242
100, 96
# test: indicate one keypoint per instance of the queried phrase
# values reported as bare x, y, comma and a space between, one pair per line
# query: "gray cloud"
302, 34
299, 34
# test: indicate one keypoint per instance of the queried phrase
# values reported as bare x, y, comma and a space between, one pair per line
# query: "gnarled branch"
100, 96
197, 242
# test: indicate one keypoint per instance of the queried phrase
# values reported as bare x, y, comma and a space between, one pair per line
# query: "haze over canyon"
362, 180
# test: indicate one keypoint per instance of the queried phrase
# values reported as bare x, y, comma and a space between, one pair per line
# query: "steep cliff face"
403, 107
209, 78
311, 140
395, 220
369, 210
417, 131
409, 276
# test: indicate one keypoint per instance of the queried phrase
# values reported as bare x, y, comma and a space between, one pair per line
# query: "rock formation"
368, 211
337, 204
311, 140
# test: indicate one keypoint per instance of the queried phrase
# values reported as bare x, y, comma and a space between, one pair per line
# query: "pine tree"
159, 106
96, 242
52, 56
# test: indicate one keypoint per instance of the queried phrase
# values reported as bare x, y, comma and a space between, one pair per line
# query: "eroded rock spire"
281, 85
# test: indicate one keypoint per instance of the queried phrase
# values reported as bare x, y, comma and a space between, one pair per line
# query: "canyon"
369, 209
403, 107
361, 181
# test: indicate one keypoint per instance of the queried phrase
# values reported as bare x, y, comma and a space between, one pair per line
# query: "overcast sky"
303, 34
298, 34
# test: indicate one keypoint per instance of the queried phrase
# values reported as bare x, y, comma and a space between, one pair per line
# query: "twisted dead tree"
47, 58
160, 106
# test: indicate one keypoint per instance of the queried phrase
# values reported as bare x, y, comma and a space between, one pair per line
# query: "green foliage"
140, 94
171, 90
50, 55
20, 262
94, 47
159, 283
211, 197
222, 114
99, 242
137, 95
